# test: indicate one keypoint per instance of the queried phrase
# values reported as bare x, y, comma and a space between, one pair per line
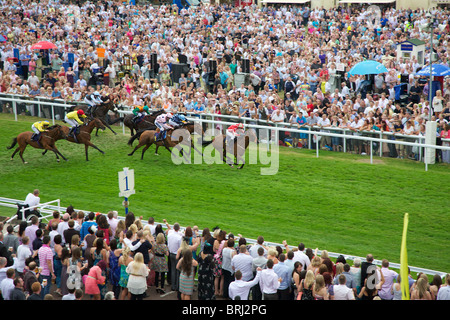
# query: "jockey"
161, 122
38, 127
93, 100
177, 120
139, 112
72, 118
232, 131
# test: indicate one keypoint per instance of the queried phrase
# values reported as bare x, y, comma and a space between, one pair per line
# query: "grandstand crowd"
78, 256
297, 71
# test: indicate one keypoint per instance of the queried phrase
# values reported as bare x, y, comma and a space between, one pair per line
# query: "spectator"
31, 277
10, 240
159, 262
259, 262
70, 232
421, 290
124, 260
70, 295
35, 292
174, 237
283, 272
389, 278
6, 252
46, 263
341, 291
63, 226
23, 253
444, 290
137, 281
206, 275
30, 231
93, 279
17, 293
269, 282
243, 262
371, 285
7, 284
240, 288
186, 266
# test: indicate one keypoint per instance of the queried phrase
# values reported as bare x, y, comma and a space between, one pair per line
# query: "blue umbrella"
368, 67
2, 38
438, 70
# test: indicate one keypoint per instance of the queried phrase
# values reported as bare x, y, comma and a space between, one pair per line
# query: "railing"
40, 106
43, 208
249, 122
316, 130
8, 202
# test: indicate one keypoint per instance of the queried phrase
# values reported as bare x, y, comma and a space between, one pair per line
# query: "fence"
345, 134
12, 203
44, 106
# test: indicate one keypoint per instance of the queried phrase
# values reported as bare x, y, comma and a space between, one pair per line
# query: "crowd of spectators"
102, 257
299, 59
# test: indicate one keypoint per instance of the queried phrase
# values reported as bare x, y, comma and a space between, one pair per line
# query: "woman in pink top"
93, 279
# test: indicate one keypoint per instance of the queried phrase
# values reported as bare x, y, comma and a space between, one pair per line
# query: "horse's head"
98, 124
59, 131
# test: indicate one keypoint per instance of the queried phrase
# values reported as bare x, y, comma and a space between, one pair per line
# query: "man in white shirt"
7, 284
269, 282
243, 262
240, 288
32, 199
63, 226
112, 75
341, 291
300, 256
174, 237
33, 80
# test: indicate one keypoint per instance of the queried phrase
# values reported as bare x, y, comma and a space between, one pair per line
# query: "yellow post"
404, 262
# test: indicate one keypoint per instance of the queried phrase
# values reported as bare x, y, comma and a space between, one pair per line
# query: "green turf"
338, 202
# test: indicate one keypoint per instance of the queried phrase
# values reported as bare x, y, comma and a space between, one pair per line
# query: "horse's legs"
225, 157
156, 150
56, 151
107, 125
135, 148
145, 149
14, 153
21, 154
88, 144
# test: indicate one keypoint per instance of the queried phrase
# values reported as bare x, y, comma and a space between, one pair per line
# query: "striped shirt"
45, 253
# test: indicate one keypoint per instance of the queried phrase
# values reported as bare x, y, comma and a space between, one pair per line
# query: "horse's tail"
136, 136
14, 142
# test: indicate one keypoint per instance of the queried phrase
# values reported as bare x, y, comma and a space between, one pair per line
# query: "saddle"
74, 131
36, 137
158, 136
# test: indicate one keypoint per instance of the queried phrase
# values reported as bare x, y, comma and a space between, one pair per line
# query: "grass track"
339, 202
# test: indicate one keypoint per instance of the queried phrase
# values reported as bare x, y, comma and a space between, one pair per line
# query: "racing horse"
46, 141
147, 138
238, 147
84, 134
101, 112
168, 141
147, 122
